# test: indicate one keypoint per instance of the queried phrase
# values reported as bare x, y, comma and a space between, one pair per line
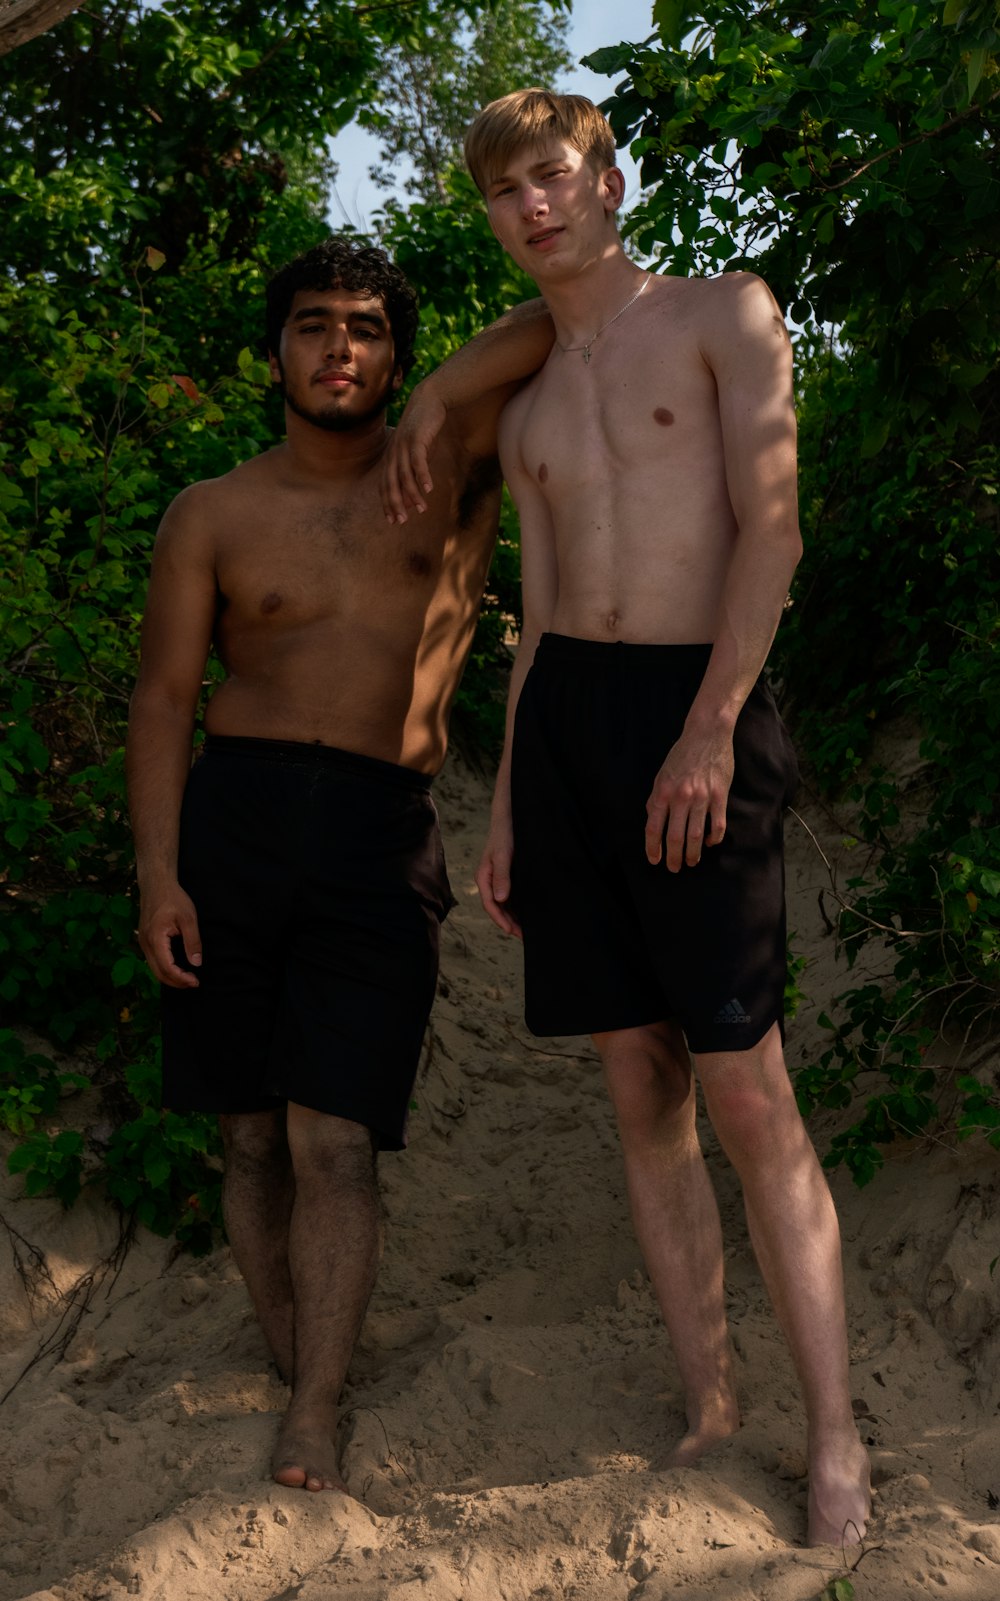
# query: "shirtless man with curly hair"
292, 881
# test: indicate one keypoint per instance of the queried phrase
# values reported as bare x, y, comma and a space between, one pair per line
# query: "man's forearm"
509, 350
157, 763
527, 646
752, 602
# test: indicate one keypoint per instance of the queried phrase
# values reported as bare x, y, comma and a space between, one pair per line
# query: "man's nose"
533, 201
338, 342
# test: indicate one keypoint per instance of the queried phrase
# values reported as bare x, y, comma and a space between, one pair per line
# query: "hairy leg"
795, 1234
676, 1220
333, 1250
257, 1194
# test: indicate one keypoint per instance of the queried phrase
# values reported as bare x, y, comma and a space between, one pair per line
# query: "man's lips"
336, 380
544, 236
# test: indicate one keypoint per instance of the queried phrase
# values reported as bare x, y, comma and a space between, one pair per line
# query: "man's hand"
406, 476
170, 916
691, 787
493, 877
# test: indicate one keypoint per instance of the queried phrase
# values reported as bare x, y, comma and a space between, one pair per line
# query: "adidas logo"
732, 1012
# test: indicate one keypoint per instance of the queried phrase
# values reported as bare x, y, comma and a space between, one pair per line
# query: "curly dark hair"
344, 264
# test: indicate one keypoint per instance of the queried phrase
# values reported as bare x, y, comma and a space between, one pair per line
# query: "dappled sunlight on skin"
697, 1443
840, 1501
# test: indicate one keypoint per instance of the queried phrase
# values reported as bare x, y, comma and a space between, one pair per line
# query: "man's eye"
311, 328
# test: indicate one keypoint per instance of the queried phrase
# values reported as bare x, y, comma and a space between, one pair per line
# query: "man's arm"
539, 591
176, 636
747, 347
468, 392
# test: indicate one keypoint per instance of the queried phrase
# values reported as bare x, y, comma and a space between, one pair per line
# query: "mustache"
336, 372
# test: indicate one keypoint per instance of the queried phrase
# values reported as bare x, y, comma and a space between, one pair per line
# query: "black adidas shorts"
319, 882
611, 942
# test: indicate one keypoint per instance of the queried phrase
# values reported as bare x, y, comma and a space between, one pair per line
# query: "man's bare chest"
624, 416
298, 560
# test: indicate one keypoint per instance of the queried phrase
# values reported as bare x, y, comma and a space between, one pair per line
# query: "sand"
509, 1407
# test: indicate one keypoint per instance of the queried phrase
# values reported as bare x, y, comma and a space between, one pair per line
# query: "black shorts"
319, 882
611, 942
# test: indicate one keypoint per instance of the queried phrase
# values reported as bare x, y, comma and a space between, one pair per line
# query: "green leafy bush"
102, 423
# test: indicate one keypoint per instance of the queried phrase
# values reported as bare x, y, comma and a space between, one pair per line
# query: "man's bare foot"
840, 1498
711, 1429
305, 1457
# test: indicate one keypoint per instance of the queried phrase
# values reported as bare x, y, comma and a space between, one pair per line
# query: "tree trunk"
21, 20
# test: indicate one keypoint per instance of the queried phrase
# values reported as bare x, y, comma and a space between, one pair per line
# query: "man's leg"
793, 1226
334, 1241
676, 1220
257, 1194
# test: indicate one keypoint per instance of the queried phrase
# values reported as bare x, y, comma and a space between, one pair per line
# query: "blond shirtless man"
292, 882
635, 841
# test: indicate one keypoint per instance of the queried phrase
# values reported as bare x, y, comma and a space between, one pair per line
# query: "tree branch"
884, 155
21, 20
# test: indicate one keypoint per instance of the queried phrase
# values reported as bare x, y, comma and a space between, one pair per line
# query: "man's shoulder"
211, 498
738, 302
727, 292
512, 421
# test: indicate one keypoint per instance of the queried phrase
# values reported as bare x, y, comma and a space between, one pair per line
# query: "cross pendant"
586, 353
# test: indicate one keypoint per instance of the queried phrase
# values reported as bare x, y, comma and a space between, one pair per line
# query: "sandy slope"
513, 1395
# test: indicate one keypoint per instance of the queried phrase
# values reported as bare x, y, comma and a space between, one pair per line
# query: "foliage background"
160, 163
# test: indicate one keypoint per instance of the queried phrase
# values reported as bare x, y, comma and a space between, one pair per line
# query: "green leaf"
874, 442
841, 1590
977, 62
608, 60
123, 970
156, 1167
668, 17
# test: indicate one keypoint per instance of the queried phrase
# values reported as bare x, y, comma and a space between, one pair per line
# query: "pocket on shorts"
766, 766
793, 776
443, 898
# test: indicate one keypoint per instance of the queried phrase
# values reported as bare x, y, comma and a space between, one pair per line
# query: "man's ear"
613, 185
274, 367
397, 380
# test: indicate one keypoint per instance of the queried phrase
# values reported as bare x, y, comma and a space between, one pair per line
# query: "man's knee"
334, 1149
749, 1098
254, 1139
648, 1073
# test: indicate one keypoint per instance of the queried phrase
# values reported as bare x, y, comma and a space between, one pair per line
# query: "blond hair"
528, 117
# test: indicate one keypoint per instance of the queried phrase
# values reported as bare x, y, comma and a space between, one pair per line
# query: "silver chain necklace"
566, 349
